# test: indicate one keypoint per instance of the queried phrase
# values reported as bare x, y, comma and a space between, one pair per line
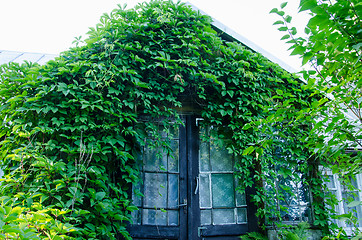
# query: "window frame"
340, 189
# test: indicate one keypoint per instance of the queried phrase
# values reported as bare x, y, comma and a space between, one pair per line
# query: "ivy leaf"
248, 150
100, 195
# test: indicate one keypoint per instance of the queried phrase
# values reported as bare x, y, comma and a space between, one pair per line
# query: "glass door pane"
220, 204
160, 174
161, 214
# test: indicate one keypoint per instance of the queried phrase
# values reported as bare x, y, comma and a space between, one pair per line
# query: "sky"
50, 26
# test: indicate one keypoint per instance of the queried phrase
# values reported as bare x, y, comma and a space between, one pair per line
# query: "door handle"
197, 185
184, 204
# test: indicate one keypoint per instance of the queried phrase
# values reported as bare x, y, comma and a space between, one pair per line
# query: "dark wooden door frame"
193, 143
193, 167
190, 213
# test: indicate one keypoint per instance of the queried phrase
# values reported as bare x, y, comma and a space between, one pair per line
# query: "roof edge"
231, 35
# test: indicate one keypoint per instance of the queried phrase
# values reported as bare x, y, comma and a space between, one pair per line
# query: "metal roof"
20, 57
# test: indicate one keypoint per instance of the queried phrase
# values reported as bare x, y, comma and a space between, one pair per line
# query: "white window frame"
339, 189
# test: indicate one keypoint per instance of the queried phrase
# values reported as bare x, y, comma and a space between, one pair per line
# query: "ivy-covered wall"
70, 130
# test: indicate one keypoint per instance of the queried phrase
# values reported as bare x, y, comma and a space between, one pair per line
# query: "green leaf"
283, 29
307, 5
307, 30
281, 13
247, 126
100, 195
288, 19
279, 92
299, 50
249, 150
282, 5
354, 204
278, 22
293, 30
318, 20
286, 36
274, 10
306, 57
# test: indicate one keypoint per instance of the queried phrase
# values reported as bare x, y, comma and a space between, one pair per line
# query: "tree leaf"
288, 18
282, 5
274, 10
280, 13
286, 36
278, 22
283, 29
307, 5
298, 50
354, 204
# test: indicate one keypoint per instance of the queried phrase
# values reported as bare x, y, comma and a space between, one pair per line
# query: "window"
344, 196
286, 187
188, 191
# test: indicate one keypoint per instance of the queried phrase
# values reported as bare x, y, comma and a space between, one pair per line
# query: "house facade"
188, 92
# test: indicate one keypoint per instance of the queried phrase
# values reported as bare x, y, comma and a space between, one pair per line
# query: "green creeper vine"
71, 129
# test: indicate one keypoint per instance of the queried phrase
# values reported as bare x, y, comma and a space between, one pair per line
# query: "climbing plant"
71, 129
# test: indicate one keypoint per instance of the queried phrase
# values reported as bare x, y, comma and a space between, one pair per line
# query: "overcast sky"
50, 26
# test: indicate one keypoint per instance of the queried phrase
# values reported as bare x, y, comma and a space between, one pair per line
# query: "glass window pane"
241, 215
204, 157
155, 190
220, 159
205, 200
173, 190
223, 190
354, 183
206, 217
349, 197
172, 218
136, 217
154, 217
154, 159
173, 158
331, 183
174, 132
295, 213
136, 194
223, 216
240, 199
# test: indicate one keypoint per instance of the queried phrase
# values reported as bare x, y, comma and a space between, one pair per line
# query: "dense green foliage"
331, 46
71, 132
22, 223
331, 49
